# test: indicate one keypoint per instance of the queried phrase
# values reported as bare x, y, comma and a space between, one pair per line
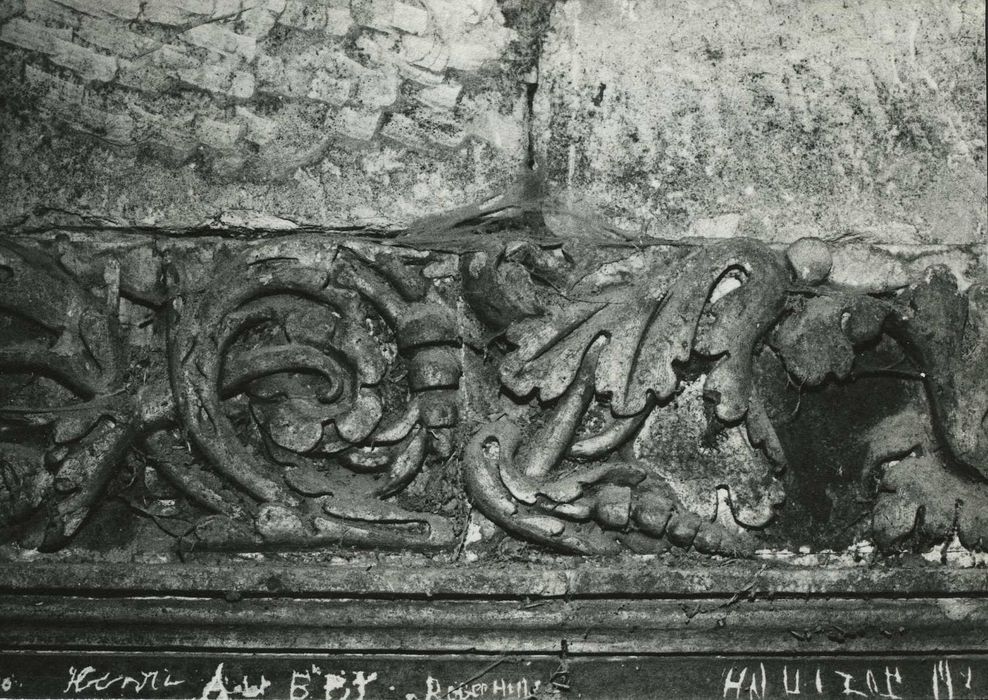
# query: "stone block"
378, 89
421, 133
122, 9
228, 9
143, 77
378, 14
429, 53
405, 132
471, 55
216, 37
174, 56
223, 78
69, 102
442, 97
259, 129
338, 21
328, 88
50, 12
57, 45
11, 8
45, 84
219, 134
354, 124
29, 35
177, 12
303, 15
112, 37
421, 76
258, 21
112, 127
86, 63
409, 18
173, 137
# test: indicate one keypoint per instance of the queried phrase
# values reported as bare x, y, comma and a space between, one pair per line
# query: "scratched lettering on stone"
139, 676
948, 680
476, 689
88, 681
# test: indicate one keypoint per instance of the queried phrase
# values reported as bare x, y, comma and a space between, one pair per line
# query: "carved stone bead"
651, 513
613, 506
810, 259
434, 367
683, 528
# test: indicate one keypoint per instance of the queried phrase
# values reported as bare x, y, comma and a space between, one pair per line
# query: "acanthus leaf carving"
318, 394
70, 336
626, 343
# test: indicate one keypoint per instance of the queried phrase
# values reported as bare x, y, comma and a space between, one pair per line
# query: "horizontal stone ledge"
267, 580
868, 267
247, 226
921, 625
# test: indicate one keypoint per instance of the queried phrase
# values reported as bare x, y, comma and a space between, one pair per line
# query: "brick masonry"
330, 113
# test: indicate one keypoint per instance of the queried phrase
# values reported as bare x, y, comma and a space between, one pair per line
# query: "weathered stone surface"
778, 121
356, 113
221, 439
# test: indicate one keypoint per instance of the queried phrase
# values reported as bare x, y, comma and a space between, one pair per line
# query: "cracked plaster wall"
859, 120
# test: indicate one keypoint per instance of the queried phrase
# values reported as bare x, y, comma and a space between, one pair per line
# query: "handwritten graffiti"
86, 680
260, 676
889, 682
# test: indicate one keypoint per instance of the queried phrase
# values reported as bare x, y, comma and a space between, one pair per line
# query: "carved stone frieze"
319, 393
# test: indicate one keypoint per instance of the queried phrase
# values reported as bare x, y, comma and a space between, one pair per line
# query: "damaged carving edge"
328, 397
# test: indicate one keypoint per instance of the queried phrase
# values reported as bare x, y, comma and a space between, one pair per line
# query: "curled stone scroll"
308, 350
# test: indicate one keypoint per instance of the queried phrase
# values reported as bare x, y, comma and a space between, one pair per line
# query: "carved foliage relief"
319, 394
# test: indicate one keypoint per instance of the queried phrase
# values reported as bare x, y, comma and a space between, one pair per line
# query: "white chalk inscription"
141, 676
754, 682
